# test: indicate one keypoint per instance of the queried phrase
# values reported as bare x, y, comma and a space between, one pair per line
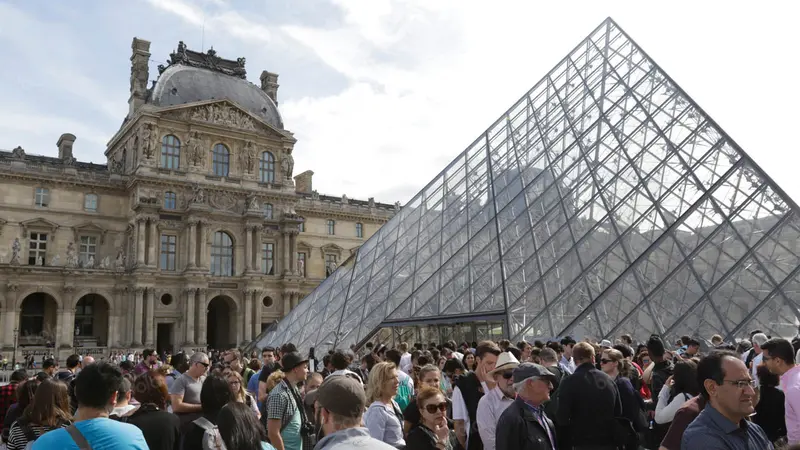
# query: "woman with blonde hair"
383, 418
619, 369
240, 394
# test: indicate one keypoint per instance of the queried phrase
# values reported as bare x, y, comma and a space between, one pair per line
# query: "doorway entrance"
164, 338
221, 331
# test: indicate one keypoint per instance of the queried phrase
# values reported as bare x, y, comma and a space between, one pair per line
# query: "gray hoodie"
351, 439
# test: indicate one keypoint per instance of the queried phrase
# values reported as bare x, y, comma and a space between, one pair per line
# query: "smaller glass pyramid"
605, 201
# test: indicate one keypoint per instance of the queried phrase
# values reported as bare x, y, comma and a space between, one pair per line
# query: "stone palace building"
195, 234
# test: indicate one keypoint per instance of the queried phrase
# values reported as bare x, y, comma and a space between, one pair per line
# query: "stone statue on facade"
248, 157
198, 194
90, 264
301, 267
397, 206
314, 195
195, 146
105, 263
287, 165
115, 166
15, 249
120, 260
56, 261
146, 140
39, 261
18, 153
72, 257
252, 203
330, 267
345, 200
371, 202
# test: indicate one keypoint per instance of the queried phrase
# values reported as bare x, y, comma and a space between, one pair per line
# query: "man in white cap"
492, 405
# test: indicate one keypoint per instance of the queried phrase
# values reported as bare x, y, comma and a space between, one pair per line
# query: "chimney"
65, 146
302, 182
139, 73
269, 84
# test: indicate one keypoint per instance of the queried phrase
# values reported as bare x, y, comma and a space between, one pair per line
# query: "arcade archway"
91, 321
221, 324
37, 320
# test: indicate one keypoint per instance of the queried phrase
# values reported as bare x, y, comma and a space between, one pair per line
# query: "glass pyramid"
605, 201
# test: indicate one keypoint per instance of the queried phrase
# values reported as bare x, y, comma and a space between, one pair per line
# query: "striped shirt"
17, 438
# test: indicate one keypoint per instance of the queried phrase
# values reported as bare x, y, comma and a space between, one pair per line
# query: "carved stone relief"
247, 157
224, 201
147, 140
195, 149
219, 114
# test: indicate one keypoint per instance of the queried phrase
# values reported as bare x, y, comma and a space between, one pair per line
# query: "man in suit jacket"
588, 403
524, 425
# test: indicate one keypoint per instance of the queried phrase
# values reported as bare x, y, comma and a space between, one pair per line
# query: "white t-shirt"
756, 361
405, 362
460, 408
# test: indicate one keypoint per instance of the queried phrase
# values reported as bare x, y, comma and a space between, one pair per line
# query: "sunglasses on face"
433, 407
508, 374
605, 361
204, 364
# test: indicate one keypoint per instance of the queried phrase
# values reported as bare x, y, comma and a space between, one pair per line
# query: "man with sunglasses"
524, 425
492, 405
730, 393
184, 393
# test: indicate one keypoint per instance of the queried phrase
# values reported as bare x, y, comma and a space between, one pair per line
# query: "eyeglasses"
741, 384
234, 382
508, 374
433, 407
605, 361
203, 364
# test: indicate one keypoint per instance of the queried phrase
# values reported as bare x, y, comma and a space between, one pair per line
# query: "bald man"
86, 361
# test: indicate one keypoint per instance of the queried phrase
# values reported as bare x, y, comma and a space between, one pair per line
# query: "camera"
307, 429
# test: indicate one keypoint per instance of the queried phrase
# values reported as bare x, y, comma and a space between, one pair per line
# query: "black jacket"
770, 412
661, 371
588, 403
471, 391
422, 438
518, 429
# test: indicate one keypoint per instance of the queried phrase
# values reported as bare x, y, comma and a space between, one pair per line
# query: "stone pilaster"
255, 322
192, 244
293, 252
149, 318
248, 248
10, 315
154, 241
138, 314
189, 317
141, 225
205, 235
65, 326
287, 267
248, 315
202, 317
287, 303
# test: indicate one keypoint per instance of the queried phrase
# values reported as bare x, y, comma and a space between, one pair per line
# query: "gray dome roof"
181, 84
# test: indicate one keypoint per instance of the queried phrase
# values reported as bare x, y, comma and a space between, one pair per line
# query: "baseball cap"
343, 396
605, 343
528, 370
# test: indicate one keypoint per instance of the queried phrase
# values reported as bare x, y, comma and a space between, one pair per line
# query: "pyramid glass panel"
604, 201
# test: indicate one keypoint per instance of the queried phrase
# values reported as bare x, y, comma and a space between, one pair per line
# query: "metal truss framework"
605, 201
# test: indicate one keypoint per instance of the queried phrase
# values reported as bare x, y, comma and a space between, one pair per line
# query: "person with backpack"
202, 433
96, 388
49, 411
67, 376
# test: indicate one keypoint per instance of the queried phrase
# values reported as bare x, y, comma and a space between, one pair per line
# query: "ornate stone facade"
192, 235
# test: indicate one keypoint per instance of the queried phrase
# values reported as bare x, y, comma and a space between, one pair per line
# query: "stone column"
248, 315
255, 323
287, 303
188, 326
248, 248
140, 239
201, 241
286, 251
154, 239
293, 252
149, 318
11, 321
202, 317
257, 246
113, 330
138, 314
192, 244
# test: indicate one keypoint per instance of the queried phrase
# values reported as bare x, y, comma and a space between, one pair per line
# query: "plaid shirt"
7, 398
281, 406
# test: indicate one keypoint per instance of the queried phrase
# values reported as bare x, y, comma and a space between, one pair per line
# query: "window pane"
268, 258
267, 211
170, 200
220, 160
222, 255
170, 152
90, 202
37, 249
168, 252
266, 168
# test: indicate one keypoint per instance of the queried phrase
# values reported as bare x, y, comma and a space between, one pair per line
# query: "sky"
382, 94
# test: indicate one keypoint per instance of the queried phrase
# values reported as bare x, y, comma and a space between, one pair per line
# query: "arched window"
170, 152
220, 160
170, 200
222, 255
359, 230
331, 227
267, 211
266, 168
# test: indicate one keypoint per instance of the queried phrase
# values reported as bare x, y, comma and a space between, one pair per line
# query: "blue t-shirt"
102, 434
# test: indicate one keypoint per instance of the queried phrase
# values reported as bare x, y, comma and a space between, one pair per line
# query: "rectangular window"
302, 226
168, 251
301, 263
359, 230
90, 202
42, 197
87, 250
331, 227
170, 200
37, 248
330, 263
268, 258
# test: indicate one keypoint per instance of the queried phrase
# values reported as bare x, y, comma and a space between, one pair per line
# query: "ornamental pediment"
223, 113
89, 228
39, 223
331, 248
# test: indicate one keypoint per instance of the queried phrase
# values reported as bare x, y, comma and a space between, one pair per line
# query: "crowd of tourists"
473, 396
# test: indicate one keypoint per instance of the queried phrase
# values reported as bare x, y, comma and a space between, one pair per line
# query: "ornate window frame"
89, 229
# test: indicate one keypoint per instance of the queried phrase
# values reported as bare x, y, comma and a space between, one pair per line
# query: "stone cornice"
56, 179
336, 213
